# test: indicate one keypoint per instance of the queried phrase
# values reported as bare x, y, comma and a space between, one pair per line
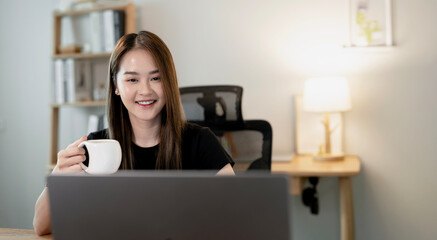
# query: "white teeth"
146, 102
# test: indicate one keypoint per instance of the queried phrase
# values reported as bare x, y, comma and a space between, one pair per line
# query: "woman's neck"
146, 134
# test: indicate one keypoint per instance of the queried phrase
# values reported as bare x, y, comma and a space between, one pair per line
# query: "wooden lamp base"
327, 155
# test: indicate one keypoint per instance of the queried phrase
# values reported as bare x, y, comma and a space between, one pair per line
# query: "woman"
145, 115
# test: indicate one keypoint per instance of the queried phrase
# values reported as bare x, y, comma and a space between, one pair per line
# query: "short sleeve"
102, 134
203, 150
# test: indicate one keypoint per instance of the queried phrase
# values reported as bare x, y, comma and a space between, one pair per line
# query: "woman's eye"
132, 80
156, 78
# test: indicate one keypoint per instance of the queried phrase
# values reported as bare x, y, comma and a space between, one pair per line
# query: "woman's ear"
117, 92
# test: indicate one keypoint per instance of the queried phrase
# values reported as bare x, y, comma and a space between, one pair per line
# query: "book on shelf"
69, 78
68, 35
82, 5
100, 74
58, 83
82, 89
90, 4
73, 81
97, 122
107, 27
119, 23
113, 22
96, 35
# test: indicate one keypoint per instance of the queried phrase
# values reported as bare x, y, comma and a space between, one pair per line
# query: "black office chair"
218, 107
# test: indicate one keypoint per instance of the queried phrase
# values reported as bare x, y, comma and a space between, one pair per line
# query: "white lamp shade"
326, 95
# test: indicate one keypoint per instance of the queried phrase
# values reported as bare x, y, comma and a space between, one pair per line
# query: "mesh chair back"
213, 106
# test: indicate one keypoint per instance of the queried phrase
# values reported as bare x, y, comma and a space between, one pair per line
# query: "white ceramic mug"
104, 156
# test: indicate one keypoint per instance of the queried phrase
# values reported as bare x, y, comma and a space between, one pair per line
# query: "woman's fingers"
74, 160
72, 151
77, 142
72, 169
69, 158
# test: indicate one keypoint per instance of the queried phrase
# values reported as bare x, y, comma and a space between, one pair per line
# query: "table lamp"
327, 95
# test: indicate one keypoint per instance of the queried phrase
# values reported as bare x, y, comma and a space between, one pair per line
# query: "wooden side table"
304, 166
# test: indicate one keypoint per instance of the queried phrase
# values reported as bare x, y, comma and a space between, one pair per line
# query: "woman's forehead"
138, 60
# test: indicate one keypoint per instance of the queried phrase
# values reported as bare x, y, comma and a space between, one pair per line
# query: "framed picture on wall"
310, 131
369, 23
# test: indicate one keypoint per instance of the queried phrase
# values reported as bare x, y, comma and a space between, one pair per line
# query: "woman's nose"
145, 88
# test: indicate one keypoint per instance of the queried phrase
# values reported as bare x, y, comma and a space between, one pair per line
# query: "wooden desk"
304, 166
299, 168
21, 234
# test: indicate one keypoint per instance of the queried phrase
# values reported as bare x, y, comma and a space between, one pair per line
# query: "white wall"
269, 47
25, 28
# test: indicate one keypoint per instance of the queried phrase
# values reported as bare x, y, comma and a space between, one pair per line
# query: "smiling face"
140, 87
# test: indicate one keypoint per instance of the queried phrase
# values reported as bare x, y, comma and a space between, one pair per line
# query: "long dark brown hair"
172, 120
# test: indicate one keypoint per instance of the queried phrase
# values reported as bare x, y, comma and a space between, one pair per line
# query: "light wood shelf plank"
82, 55
73, 12
79, 104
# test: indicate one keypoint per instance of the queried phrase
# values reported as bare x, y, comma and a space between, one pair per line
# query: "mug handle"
85, 168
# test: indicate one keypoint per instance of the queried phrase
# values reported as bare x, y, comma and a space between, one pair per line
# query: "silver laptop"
169, 206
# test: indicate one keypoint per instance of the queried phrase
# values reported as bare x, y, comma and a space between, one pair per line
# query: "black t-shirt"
200, 150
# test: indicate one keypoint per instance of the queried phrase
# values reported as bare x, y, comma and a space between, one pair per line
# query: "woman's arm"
41, 219
68, 162
226, 170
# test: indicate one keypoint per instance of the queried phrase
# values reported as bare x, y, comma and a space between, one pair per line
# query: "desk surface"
306, 166
21, 234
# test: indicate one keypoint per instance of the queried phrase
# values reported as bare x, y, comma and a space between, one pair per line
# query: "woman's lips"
146, 103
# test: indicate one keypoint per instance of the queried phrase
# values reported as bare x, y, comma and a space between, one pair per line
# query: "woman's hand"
70, 158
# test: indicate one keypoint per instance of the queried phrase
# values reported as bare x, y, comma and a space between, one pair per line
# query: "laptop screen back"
169, 206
